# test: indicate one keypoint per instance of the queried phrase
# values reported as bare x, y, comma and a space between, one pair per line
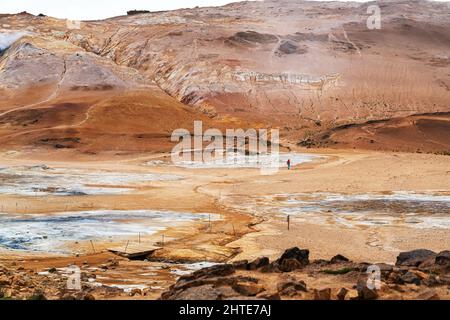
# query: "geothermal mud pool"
406, 209
51, 233
42, 180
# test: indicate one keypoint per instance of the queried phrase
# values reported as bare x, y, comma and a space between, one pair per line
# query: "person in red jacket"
289, 164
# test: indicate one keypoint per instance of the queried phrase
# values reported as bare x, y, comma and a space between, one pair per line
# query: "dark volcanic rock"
206, 292
414, 258
134, 12
385, 267
220, 270
269, 296
258, 263
342, 294
290, 47
339, 258
248, 289
324, 294
221, 288
301, 256
386, 270
411, 278
289, 265
272, 267
291, 287
88, 297
443, 258
240, 265
291, 260
224, 282
431, 281
251, 37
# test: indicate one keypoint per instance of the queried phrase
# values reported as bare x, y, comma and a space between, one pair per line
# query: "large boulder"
5, 281
411, 278
364, 292
258, 263
302, 256
339, 259
414, 258
324, 294
248, 288
220, 270
206, 276
289, 265
240, 265
291, 287
342, 294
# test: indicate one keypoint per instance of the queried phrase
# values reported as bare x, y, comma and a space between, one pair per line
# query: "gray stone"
414, 258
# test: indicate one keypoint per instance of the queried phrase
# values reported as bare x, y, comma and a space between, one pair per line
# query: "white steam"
7, 39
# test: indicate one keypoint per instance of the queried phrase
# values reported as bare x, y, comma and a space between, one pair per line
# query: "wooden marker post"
92, 244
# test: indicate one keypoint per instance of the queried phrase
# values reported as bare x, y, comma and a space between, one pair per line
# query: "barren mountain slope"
306, 67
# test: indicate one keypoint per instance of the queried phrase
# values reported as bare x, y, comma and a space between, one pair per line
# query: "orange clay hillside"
312, 69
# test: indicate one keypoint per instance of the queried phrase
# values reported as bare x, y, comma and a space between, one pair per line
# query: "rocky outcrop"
443, 258
292, 259
339, 258
24, 64
258, 263
291, 287
18, 283
307, 81
290, 47
217, 282
250, 38
8, 38
364, 292
134, 12
293, 276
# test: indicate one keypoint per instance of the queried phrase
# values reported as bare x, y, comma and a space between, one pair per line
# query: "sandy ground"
238, 234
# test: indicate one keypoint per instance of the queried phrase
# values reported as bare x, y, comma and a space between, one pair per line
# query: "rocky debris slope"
25, 64
305, 62
35, 61
418, 274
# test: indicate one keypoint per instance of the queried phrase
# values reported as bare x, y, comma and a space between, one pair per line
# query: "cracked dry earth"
417, 275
